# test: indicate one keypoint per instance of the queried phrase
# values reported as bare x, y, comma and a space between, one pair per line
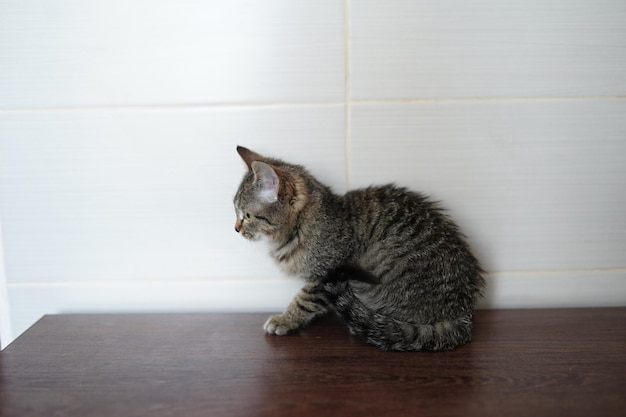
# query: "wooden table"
521, 363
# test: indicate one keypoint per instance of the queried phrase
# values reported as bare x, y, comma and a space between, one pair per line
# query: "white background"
119, 121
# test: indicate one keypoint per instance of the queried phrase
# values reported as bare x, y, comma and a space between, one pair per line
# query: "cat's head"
269, 196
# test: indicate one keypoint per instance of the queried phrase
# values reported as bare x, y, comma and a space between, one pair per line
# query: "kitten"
386, 259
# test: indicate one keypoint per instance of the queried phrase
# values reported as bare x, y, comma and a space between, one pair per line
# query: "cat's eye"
248, 216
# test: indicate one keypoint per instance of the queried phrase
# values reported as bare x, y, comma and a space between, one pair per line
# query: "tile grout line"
242, 280
348, 108
178, 107
151, 282
486, 100
555, 271
348, 101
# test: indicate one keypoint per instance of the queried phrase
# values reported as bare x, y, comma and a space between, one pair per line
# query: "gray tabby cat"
386, 259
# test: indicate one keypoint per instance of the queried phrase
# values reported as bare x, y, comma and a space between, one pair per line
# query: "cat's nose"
238, 226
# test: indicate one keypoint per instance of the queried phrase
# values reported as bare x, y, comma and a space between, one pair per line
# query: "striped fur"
386, 259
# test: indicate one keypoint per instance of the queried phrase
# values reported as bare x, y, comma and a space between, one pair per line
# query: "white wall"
6, 333
118, 126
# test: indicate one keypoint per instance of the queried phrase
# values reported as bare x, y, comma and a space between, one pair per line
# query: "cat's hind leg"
308, 304
381, 329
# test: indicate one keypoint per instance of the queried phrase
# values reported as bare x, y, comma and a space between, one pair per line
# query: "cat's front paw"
279, 325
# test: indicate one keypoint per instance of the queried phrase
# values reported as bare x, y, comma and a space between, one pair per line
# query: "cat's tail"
388, 333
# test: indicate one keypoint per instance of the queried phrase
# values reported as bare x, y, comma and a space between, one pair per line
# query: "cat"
387, 260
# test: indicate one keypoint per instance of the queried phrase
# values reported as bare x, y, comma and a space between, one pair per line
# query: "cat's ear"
266, 180
248, 156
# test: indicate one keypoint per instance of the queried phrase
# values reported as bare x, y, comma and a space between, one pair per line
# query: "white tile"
6, 333
535, 185
146, 194
487, 48
555, 289
73, 53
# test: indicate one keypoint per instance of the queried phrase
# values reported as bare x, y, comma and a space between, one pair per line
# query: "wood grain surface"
521, 363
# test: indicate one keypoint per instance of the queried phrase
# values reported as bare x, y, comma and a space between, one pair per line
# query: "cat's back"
389, 210
386, 198
393, 223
